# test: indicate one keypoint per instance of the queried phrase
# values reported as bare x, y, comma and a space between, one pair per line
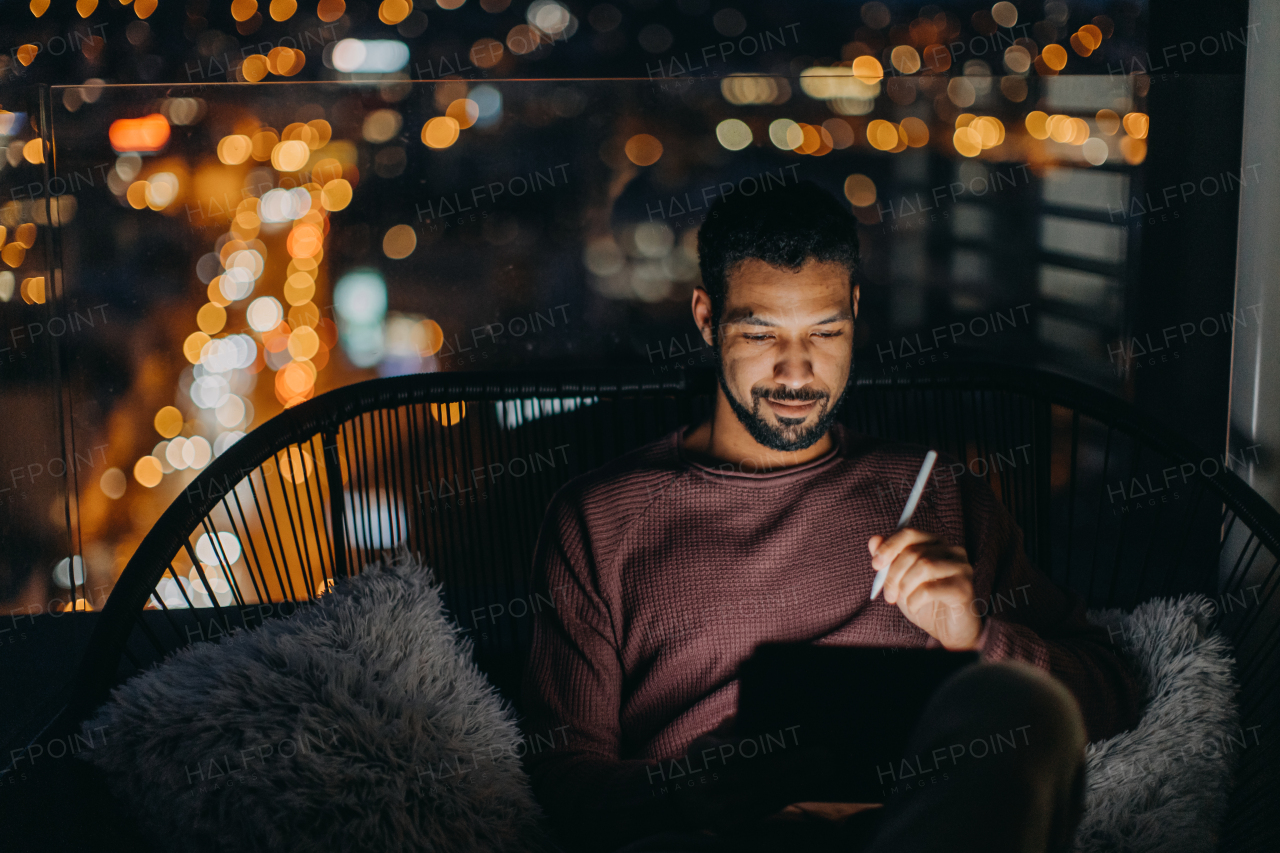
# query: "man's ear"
702, 314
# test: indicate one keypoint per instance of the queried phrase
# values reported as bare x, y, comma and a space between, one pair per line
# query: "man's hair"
783, 227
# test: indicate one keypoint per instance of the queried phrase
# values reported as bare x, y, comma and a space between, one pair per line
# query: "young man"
767, 524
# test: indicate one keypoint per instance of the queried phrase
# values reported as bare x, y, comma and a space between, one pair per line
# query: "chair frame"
325, 415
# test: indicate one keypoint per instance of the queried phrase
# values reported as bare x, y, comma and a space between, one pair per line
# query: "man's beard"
790, 436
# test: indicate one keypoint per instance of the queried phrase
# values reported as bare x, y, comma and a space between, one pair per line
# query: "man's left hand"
932, 584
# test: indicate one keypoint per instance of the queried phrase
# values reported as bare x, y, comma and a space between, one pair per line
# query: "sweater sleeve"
572, 689
1031, 619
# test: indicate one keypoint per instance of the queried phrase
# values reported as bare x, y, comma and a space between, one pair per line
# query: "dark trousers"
994, 764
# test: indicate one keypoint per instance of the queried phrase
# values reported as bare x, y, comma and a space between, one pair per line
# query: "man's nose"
794, 367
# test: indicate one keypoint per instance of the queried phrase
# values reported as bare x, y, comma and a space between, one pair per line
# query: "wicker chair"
460, 467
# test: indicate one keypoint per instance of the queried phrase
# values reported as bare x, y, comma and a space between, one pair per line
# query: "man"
767, 523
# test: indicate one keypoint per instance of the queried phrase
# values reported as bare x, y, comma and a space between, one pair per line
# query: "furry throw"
1162, 786
358, 724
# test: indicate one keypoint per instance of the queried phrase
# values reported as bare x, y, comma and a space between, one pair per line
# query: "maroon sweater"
667, 573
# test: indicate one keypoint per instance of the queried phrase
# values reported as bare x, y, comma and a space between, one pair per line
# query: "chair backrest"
459, 468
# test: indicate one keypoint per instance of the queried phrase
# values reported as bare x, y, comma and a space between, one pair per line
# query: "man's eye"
828, 334
757, 337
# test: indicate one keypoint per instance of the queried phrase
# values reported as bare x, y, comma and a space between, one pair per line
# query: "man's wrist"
984, 630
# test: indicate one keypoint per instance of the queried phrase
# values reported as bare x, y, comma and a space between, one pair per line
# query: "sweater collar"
727, 471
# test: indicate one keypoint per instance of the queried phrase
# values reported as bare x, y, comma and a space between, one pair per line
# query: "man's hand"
932, 584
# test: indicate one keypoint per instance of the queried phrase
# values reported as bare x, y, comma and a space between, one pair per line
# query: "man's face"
786, 349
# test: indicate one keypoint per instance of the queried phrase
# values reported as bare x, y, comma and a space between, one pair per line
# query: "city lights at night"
572, 404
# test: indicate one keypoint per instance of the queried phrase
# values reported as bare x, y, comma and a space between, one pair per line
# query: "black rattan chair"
460, 467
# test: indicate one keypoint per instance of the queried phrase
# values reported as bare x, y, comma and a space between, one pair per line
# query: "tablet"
856, 704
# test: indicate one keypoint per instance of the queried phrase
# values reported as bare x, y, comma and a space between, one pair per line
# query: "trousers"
995, 763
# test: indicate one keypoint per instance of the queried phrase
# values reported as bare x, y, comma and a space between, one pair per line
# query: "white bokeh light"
734, 134
236, 283
227, 541
209, 392
264, 314
231, 412
225, 440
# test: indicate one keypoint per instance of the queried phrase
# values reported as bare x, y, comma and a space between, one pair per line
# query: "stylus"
913, 500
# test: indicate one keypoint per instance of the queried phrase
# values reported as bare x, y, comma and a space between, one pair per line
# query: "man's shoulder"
889, 456
625, 483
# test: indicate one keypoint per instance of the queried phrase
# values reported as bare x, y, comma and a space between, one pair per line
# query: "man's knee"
1016, 700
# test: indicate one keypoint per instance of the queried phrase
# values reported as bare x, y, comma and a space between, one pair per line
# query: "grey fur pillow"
1162, 786
360, 723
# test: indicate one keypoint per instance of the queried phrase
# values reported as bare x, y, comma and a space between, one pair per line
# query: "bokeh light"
33, 151
304, 241
744, 89
1133, 150
440, 132
842, 135
643, 149
381, 125
917, 132
1136, 125
1054, 56
149, 133
330, 10
883, 135
464, 111
147, 469
168, 421
1036, 122
1108, 121
290, 156
905, 59
399, 242
1005, 13
113, 483
336, 194
392, 12
264, 314
734, 134
1094, 151
1017, 59
967, 142
193, 346
785, 134
860, 190
299, 288
211, 318
235, 149
868, 69
243, 10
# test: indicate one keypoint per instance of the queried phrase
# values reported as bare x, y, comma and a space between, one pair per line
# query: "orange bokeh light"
440, 132
293, 381
643, 149
464, 111
1054, 56
149, 133
304, 241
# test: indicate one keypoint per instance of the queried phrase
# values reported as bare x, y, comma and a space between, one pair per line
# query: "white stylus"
913, 500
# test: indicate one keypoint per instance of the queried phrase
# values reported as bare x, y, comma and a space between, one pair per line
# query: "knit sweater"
666, 573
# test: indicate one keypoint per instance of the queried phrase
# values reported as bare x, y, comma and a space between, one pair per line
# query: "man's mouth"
792, 408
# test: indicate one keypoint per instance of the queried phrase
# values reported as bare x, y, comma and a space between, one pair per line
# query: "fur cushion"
1163, 785
360, 723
